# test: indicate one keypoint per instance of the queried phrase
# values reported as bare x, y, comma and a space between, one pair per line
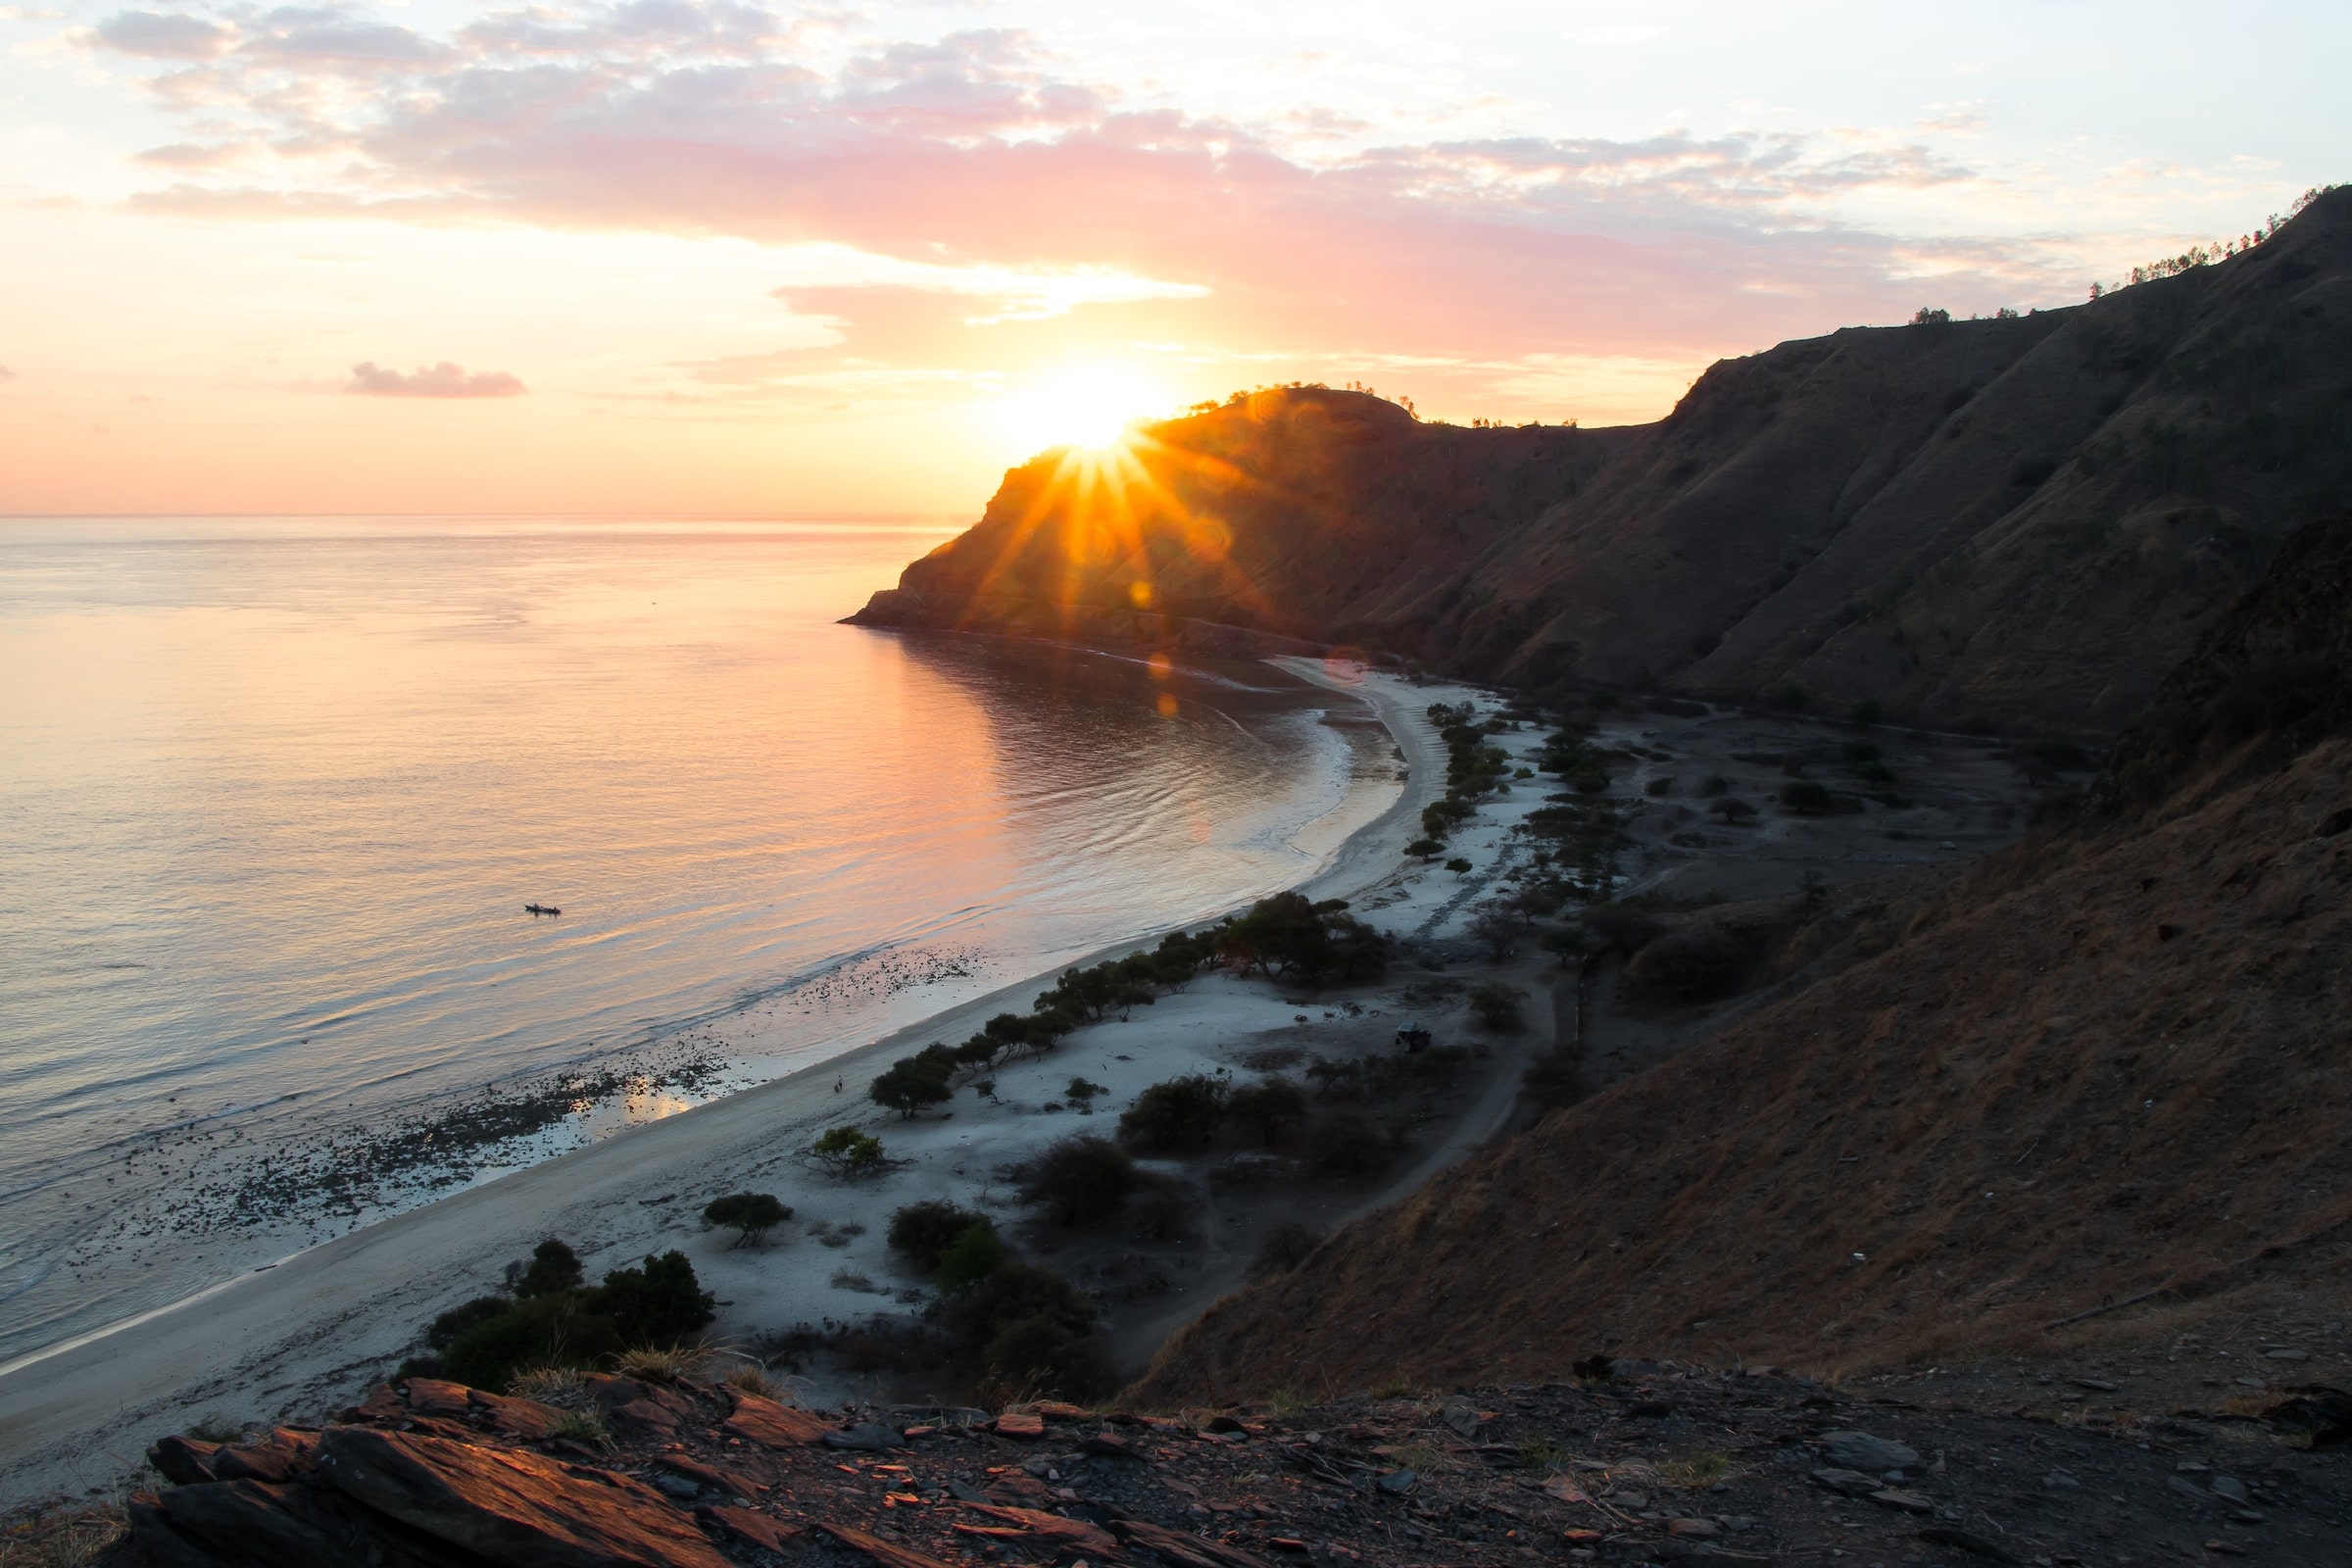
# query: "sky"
731, 259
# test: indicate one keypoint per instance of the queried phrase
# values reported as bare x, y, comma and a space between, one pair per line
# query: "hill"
2099, 1091
2021, 522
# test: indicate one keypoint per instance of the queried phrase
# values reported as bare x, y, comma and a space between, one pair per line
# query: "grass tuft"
582, 1426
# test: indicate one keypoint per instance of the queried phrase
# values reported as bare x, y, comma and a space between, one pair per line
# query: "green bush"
1182, 1113
488, 1341
914, 1082
657, 1303
1496, 1005
553, 1269
1083, 1179
1459, 865
751, 1215
925, 1231
974, 1255
847, 1152
1806, 796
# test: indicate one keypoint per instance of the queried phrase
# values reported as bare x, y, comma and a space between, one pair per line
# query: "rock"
1396, 1482
1565, 1490
527, 1419
2059, 1481
1185, 1551
1461, 1419
888, 1553
1635, 1501
709, 1477
870, 1436
679, 1487
2229, 1486
772, 1425
1061, 1410
644, 1413
433, 1396
1693, 1529
253, 1524
383, 1404
1851, 1482
1225, 1423
2186, 1488
1906, 1501
2095, 1385
2324, 1414
182, 1461
2226, 1548
965, 1492
2284, 1355
283, 1456
1103, 1445
1962, 1540
1859, 1451
1019, 1424
511, 1506
1067, 1535
756, 1529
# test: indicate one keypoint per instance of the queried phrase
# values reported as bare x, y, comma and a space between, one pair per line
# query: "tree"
1568, 942
1498, 927
1082, 1094
1425, 850
553, 1268
1459, 865
913, 1081
1268, 1108
1732, 811
847, 1152
751, 1215
1496, 1005
973, 1255
1083, 1179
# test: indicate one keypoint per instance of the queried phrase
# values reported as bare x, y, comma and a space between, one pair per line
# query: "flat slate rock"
510, 1506
889, 1553
744, 1524
772, 1425
1019, 1424
1859, 1451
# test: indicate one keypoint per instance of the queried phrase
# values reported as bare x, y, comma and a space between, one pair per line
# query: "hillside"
2109, 1070
2021, 522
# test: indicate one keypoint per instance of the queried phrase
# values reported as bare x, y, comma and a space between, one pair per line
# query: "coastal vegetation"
547, 1316
751, 1215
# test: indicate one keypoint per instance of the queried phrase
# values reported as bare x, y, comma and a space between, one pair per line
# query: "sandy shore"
297, 1339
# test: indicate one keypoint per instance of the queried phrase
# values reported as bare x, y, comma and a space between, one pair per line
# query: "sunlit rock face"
2023, 522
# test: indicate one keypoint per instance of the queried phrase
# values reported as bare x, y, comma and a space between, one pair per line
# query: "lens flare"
1090, 409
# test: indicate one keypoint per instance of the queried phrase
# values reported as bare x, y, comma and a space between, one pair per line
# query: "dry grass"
67, 1536
679, 1363
582, 1426
752, 1378
561, 1387
1696, 1471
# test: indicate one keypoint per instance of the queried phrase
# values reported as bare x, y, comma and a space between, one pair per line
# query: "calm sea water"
274, 794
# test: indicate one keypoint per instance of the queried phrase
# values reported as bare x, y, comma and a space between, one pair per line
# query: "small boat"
541, 908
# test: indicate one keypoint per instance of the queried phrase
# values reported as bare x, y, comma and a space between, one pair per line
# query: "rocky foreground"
1632, 1463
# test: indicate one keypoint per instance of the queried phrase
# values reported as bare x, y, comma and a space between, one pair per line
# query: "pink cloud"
675, 116
443, 380
165, 35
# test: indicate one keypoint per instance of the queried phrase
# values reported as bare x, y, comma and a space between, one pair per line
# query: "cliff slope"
2109, 1074
2022, 522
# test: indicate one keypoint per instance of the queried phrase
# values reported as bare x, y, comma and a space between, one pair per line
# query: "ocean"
274, 793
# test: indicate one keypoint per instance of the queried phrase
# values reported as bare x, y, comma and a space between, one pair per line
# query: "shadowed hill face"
2129, 1074
2023, 521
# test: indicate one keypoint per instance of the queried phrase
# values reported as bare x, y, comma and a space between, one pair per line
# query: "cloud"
7, 374
165, 35
443, 380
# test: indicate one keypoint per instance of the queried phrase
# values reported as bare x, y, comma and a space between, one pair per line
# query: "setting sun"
1088, 408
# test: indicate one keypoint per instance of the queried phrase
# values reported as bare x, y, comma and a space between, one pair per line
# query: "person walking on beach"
837, 1086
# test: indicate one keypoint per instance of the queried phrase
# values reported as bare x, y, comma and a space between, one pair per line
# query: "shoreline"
344, 1307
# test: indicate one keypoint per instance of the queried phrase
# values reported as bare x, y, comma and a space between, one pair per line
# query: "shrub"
1865, 714
751, 1215
452, 1324
1496, 1005
1032, 1328
1554, 1079
1568, 942
1083, 1179
1735, 812
1804, 795
1268, 1108
658, 1303
925, 1231
1714, 784
560, 1330
553, 1269
1658, 786
847, 1152
1083, 1095
1178, 1113
1283, 1249
1425, 849
1459, 866
1289, 935
976, 1252
1699, 964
